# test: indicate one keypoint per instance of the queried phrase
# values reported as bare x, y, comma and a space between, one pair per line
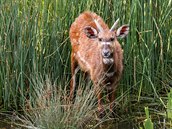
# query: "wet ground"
103, 126
4, 125
116, 126
110, 124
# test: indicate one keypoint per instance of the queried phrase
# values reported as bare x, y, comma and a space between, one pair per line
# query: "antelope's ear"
122, 31
90, 32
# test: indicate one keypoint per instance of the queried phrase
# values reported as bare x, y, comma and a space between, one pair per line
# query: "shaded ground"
6, 123
122, 125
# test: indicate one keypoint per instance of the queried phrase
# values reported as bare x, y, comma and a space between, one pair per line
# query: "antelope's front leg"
100, 105
74, 70
111, 97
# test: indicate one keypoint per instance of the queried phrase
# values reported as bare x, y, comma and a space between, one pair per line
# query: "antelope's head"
106, 38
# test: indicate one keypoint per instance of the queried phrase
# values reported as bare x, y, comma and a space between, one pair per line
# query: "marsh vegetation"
35, 64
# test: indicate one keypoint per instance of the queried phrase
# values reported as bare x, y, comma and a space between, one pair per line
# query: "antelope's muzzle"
107, 51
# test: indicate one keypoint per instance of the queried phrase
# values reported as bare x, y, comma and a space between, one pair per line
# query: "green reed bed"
34, 44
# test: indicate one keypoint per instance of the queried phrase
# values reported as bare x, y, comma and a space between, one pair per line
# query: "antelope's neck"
108, 67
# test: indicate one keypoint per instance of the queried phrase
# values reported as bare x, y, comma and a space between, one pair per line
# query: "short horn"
98, 25
114, 25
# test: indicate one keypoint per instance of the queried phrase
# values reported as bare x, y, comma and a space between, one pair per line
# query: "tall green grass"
34, 44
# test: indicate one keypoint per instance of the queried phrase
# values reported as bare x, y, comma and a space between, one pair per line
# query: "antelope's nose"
106, 53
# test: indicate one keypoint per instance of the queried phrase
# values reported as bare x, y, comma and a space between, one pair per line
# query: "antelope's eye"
100, 39
112, 39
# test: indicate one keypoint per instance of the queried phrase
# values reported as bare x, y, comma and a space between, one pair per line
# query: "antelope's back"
84, 19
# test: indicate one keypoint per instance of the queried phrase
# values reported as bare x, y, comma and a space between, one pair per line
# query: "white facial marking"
106, 43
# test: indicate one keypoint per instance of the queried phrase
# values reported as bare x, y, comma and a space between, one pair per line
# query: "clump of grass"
52, 109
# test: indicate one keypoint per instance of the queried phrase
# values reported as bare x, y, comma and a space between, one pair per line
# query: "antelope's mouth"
108, 61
